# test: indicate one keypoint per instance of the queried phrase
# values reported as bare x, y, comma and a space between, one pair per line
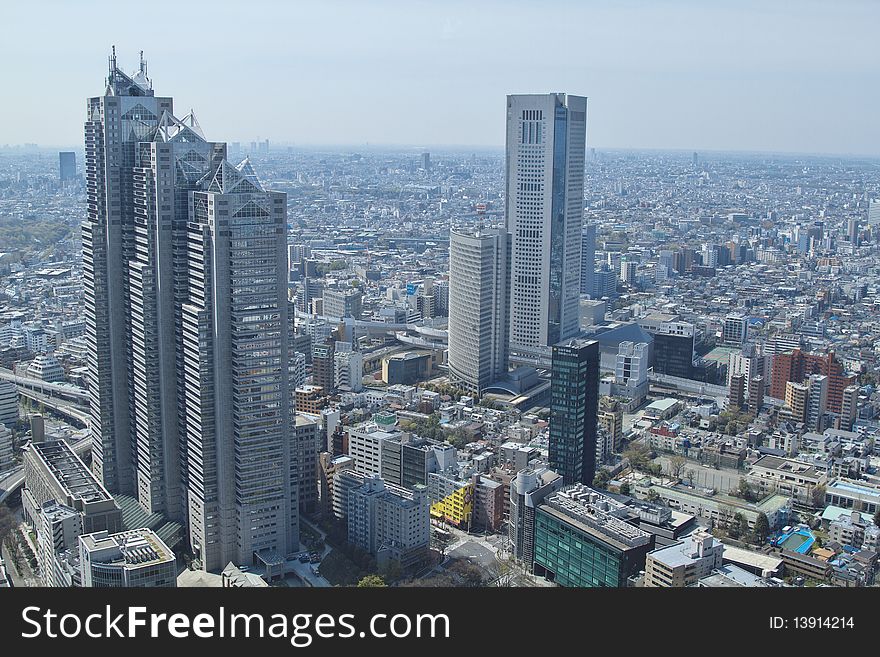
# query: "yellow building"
455, 508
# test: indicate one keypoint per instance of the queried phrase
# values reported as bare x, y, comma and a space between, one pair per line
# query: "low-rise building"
856, 530
53, 471
862, 496
684, 563
795, 479
136, 558
718, 508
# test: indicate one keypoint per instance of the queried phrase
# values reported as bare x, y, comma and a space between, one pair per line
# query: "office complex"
389, 522
57, 530
132, 559
546, 138
735, 329
673, 350
7, 459
574, 406
479, 272
304, 462
580, 542
528, 490
588, 258
8, 403
185, 276
53, 472
342, 303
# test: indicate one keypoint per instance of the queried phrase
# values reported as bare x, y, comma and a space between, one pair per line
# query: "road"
64, 390
305, 573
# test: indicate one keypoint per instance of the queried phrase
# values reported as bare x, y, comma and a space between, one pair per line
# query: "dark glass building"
574, 407
673, 353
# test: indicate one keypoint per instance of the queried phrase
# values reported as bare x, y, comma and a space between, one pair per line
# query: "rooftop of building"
848, 486
684, 552
134, 548
592, 512
69, 471
717, 502
788, 466
752, 559
302, 420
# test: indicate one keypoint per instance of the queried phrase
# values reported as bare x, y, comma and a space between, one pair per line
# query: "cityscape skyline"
237, 364
675, 81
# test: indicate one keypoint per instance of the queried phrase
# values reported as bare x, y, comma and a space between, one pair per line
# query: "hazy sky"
797, 76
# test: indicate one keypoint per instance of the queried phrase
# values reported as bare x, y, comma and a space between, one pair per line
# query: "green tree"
652, 495
818, 496
676, 466
745, 491
371, 581
637, 455
469, 572
877, 517
734, 529
7, 523
762, 528
625, 488
601, 479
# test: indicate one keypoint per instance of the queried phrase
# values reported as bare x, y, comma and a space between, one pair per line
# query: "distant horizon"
275, 147
749, 76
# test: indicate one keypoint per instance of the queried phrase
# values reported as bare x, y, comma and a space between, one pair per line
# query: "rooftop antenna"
143, 66
111, 64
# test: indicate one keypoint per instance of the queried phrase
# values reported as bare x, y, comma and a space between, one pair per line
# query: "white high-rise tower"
478, 310
546, 138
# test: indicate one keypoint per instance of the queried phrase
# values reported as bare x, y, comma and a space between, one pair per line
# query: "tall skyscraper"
479, 270
67, 166
185, 274
574, 410
628, 271
874, 212
588, 258
737, 391
546, 137
852, 230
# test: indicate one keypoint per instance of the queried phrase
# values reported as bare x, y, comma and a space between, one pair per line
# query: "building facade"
132, 559
479, 271
546, 139
185, 277
574, 407
580, 544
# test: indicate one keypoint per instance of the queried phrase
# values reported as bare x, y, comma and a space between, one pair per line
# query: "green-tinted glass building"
574, 408
580, 544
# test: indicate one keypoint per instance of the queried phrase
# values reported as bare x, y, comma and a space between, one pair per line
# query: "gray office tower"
588, 258
546, 137
479, 271
67, 166
185, 265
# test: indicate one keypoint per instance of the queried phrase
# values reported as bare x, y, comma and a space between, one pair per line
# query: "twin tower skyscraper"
188, 333
517, 289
